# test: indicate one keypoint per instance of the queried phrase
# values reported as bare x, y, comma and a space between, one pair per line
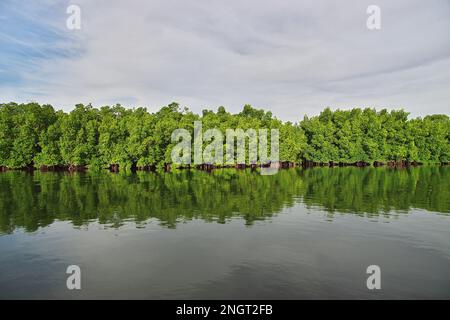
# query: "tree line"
37, 136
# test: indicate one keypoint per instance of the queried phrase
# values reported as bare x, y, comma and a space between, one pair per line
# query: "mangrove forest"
38, 136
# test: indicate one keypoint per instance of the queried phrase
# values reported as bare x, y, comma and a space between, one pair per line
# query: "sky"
290, 57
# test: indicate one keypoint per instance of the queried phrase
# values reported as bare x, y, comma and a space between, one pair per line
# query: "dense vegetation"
32, 201
32, 135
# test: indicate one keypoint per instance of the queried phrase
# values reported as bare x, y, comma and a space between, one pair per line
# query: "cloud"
293, 57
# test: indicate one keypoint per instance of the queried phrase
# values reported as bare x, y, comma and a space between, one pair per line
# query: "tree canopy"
33, 135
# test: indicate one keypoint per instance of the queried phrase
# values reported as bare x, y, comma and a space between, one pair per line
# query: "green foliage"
20, 128
34, 135
367, 135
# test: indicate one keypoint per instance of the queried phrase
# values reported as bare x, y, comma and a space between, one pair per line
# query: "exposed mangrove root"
55, 168
167, 167
114, 167
149, 168
76, 168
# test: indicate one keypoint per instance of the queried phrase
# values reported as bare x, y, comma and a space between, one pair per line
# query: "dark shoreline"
209, 167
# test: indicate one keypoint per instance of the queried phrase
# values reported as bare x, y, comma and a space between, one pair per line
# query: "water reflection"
30, 201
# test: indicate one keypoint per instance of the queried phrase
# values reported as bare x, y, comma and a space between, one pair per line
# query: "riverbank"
209, 167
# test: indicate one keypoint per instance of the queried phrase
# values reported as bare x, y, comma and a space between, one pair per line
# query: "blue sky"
293, 57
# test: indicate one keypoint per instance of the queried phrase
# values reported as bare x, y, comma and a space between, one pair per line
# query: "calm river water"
299, 234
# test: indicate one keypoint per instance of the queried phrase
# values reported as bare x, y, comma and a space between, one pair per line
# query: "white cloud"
293, 57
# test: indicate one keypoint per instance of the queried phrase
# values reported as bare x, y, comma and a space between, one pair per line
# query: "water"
299, 234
